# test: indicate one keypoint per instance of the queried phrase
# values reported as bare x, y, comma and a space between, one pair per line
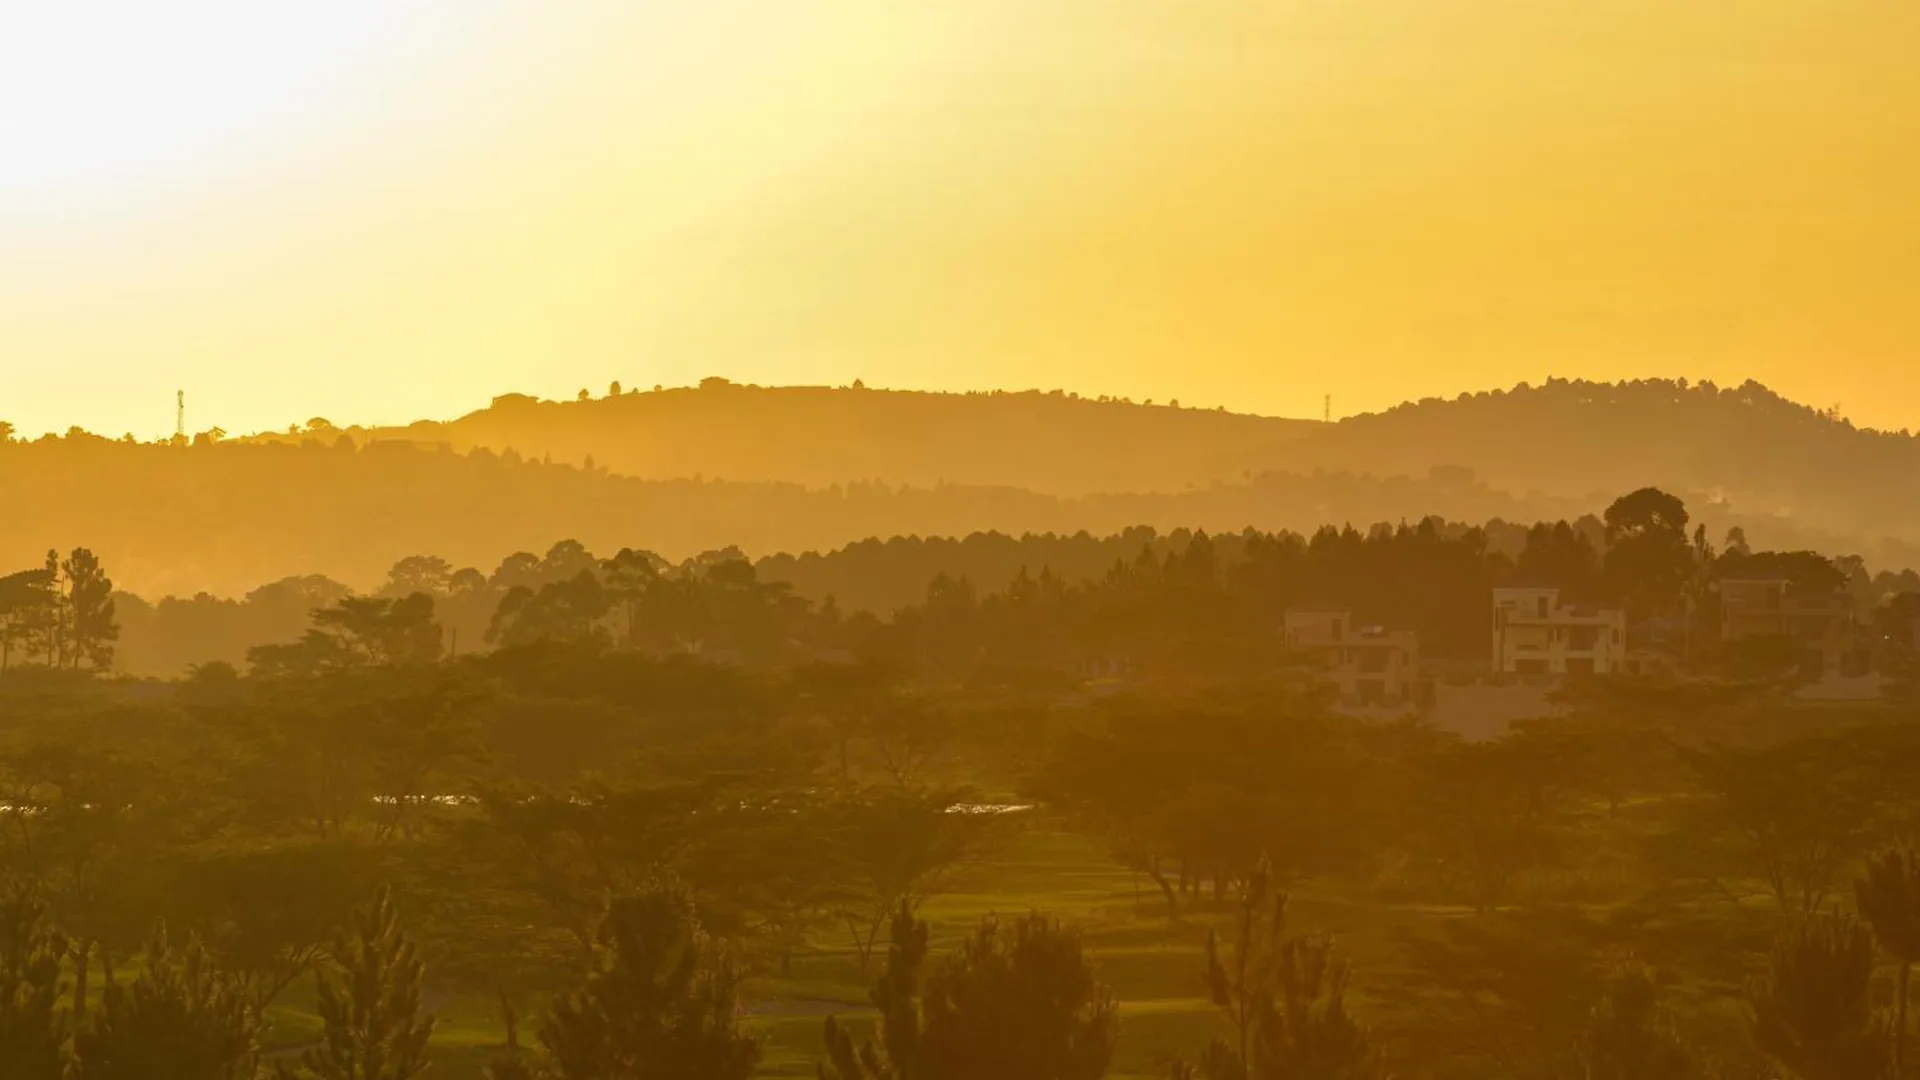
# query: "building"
1820, 619
1367, 666
1535, 634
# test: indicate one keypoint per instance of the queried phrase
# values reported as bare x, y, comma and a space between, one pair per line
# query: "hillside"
1055, 443
1752, 447
226, 517
1567, 439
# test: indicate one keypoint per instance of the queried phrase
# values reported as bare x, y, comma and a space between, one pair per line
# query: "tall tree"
1284, 999
1649, 559
374, 1029
1813, 1013
91, 627
28, 605
896, 997
659, 1003
1889, 899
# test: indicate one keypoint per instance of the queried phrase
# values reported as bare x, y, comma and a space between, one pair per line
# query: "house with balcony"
1820, 619
1365, 666
1535, 634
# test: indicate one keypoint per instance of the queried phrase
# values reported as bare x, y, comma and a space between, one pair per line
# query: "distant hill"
809, 469
1747, 445
1055, 443
229, 516
1567, 439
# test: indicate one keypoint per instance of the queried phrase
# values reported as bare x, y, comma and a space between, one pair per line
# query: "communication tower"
179, 416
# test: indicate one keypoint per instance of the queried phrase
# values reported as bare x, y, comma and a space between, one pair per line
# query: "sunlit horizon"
381, 212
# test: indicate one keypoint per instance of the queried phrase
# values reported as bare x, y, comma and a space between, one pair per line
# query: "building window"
1543, 607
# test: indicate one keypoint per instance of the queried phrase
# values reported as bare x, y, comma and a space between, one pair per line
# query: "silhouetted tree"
1649, 559
90, 615
1889, 899
374, 1029
1284, 999
896, 997
429, 574
569, 610
182, 1019
659, 1003
1014, 1002
1017, 1001
28, 609
1813, 1011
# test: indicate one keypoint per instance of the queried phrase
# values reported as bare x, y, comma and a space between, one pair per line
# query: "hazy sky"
377, 210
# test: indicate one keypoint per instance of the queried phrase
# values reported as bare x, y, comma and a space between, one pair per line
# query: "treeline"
1180, 604
223, 517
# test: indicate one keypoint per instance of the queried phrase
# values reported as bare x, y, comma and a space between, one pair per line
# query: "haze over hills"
1564, 438
1055, 442
795, 469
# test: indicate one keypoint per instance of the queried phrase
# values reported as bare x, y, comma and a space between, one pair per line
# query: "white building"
1534, 634
1367, 666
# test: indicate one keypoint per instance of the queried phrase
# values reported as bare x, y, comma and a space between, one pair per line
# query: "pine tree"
1285, 999
183, 1019
1889, 899
91, 629
1630, 1037
1015, 1002
897, 998
374, 1029
32, 1027
1018, 1001
659, 1004
1813, 1012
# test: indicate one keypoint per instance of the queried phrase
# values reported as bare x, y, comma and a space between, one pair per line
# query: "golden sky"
378, 210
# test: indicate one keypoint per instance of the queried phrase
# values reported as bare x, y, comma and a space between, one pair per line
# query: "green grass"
1152, 962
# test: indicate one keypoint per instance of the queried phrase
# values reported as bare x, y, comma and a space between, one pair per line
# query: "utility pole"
1326, 409
179, 416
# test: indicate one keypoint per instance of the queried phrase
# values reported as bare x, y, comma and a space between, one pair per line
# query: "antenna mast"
1326, 409
179, 416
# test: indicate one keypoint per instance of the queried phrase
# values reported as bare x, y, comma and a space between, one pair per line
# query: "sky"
381, 210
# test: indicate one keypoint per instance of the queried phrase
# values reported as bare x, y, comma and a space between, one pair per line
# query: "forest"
674, 820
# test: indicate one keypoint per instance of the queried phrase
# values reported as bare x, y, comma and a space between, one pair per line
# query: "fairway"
1153, 963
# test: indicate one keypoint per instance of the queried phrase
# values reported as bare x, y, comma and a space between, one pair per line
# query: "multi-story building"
1822, 620
1535, 634
1365, 665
